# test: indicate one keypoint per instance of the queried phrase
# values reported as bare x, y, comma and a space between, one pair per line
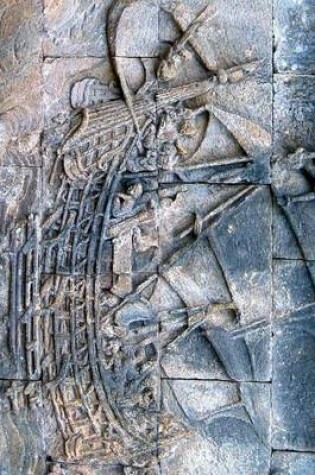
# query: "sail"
250, 136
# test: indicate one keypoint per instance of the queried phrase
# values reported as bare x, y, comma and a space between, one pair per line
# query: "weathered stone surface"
293, 388
21, 32
21, 120
60, 90
20, 195
225, 38
293, 171
100, 469
20, 52
79, 469
293, 347
294, 221
157, 273
292, 463
228, 424
294, 36
229, 263
294, 113
21, 442
227, 147
77, 29
285, 244
293, 283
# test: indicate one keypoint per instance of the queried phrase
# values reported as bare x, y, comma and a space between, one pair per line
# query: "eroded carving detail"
84, 316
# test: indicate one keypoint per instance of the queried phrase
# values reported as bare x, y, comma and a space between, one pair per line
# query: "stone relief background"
157, 237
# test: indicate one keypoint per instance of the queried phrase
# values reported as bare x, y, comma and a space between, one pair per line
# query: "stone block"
20, 33
294, 41
293, 286
234, 32
293, 385
294, 112
77, 29
293, 167
225, 232
101, 409
292, 463
227, 428
227, 140
20, 195
20, 82
21, 441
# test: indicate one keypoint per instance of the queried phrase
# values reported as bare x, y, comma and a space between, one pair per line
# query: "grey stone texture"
242, 344
78, 29
157, 222
293, 171
293, 381
232, 412
294, 36
293, 352
21, 82
293, 463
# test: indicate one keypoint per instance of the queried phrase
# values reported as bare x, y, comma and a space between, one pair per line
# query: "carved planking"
89, 325
136, 268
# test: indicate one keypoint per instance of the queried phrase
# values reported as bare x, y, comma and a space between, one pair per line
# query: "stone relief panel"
156, 225
222, 41
20, 66
226, 139
213, 292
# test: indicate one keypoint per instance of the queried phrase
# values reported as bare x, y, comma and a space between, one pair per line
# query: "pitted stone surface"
230, 429
157, 266
293, 463
294, 36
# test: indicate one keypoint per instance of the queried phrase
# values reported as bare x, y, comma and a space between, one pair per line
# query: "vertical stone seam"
273, 46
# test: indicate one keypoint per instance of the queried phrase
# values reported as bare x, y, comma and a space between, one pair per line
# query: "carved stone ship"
79, 322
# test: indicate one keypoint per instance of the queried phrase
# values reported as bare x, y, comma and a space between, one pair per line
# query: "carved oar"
182, 17
202, 224
195, 317
169, 67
